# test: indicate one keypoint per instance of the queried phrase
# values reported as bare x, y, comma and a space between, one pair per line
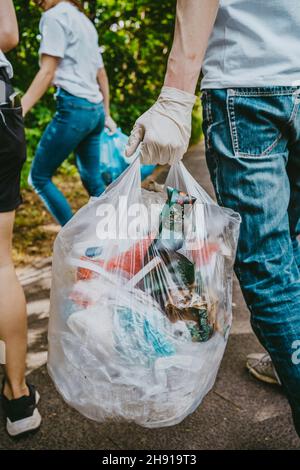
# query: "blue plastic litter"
138, 340
112, 156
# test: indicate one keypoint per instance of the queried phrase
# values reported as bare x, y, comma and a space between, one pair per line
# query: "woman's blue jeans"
252, 140
75, 127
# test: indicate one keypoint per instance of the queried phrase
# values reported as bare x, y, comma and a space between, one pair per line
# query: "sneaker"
260, 365
22, 415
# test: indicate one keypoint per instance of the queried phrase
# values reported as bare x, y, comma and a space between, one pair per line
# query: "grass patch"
35, 230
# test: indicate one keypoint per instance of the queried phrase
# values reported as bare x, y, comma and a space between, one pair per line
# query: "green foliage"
197, 133
37, 121
135, 36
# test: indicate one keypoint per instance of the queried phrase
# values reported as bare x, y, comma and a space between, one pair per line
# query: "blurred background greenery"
135, 37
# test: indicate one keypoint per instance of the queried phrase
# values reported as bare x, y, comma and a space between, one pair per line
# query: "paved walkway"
239, 413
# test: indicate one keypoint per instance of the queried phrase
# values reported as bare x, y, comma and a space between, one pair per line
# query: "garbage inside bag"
141, 300
112, 156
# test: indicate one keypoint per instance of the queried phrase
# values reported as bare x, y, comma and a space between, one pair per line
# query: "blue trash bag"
112, 156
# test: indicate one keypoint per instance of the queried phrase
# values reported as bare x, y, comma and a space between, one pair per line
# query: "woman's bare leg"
13, 318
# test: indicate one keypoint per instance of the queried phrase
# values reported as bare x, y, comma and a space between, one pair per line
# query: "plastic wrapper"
141, 300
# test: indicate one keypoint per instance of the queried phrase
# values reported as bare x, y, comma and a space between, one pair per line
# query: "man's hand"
164, 129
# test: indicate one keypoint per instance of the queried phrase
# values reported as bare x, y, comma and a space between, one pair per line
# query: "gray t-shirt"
5, 63
67, 33
254, 43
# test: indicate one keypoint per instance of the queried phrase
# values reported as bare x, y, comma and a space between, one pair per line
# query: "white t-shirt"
254, 43
5, 63
67, 33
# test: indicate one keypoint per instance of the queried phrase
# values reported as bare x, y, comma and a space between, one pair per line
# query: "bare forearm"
106, 100
194, 23
9, 32
37, 89
104, 87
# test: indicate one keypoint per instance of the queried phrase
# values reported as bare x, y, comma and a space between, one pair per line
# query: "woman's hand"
24, 105
110, 124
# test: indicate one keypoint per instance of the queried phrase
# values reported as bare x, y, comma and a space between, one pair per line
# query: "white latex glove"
164, 130
110, 124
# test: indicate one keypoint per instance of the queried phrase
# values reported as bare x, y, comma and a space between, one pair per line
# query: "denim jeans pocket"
258, 119
207, 118
78, 113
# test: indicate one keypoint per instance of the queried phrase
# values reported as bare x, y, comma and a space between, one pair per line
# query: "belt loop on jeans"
296, 95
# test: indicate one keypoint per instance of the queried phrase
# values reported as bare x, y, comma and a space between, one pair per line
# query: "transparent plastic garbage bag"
141, 300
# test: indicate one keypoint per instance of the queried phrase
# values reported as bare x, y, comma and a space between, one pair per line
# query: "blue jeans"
76, 126
252, 138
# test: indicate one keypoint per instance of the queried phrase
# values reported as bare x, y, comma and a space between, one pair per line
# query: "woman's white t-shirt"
4, 63
67, 33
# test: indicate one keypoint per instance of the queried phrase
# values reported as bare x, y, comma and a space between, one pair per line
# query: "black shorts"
12, 152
